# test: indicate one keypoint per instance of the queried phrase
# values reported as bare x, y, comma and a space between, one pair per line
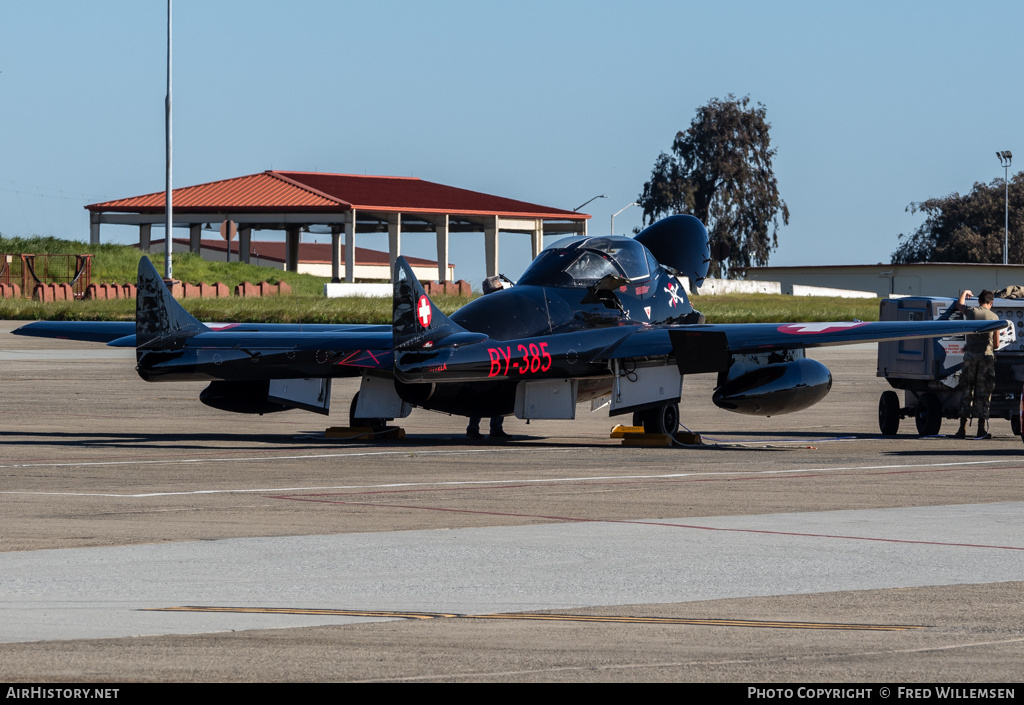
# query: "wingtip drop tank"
770, 389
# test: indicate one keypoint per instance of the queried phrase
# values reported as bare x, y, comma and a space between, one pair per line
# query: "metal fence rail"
30, 271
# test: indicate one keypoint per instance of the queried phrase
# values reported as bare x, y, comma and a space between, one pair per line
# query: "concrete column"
491, 247
335, 254
145, 235
291, 248
350, 246
195, 238
394, 239
94, 228
538, 238
244, 244
442, 248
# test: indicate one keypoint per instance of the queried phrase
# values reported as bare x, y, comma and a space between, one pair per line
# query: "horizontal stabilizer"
91, 331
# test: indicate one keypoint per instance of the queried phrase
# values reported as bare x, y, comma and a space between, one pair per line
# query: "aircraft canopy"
582, 262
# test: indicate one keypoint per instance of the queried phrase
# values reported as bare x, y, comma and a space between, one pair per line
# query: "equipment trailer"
928, 370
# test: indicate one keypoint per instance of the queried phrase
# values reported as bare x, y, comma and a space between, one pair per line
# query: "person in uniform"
490, 285
978, 376
497, 428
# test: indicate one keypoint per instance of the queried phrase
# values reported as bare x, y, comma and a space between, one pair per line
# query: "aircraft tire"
889, 413
928, 414
662, 419
1020, 417
376, 424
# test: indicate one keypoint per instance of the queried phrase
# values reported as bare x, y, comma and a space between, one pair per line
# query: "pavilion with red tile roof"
348, 204
314, 257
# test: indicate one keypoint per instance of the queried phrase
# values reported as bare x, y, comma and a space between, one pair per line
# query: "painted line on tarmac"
745, 476
185, 461
761, 660
549, 617
189, 461
444, 484
649, 522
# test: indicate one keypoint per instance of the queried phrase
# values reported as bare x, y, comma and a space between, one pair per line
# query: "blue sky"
873, 105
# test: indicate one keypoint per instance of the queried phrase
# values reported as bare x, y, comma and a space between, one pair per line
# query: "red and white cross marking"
423, 313
803, 328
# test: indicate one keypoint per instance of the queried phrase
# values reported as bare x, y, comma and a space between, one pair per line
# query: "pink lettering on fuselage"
533, 358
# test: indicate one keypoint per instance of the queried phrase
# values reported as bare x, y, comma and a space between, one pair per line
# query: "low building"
347, 205
924, 279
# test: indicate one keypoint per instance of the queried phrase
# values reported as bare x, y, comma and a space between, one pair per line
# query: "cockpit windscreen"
582, 262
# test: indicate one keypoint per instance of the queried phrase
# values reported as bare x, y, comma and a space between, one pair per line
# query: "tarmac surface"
146, 537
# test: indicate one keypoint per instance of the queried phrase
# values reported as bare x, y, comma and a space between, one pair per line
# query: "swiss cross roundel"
811, 328
423, 311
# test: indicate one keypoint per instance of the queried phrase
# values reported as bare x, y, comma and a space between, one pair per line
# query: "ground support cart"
927, 371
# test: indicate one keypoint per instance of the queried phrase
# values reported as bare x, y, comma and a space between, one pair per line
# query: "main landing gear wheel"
1015, 423
889, 413
661, 419
928, 414
376, 424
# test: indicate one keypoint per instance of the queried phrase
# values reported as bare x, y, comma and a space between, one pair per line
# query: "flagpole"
168, 239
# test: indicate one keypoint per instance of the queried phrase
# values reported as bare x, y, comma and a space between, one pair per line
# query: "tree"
967, 228
720, 171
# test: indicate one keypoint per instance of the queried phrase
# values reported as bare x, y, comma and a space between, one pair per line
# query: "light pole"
168, 198
619, 211
1004, 160
577, 208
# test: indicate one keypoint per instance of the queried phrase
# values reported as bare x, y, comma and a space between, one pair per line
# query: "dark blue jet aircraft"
590, 318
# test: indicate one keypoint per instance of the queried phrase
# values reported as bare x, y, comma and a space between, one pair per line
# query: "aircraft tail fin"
157, 314
682, 243
417, 322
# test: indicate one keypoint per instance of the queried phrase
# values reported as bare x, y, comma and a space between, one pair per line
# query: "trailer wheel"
928, 415
889, 413
1019, 416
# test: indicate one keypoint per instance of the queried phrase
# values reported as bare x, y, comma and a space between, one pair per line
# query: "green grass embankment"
270, 309
118, 264
774, 308
727, 308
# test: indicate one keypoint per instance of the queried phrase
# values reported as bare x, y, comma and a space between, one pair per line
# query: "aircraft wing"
706, 347
349, 348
